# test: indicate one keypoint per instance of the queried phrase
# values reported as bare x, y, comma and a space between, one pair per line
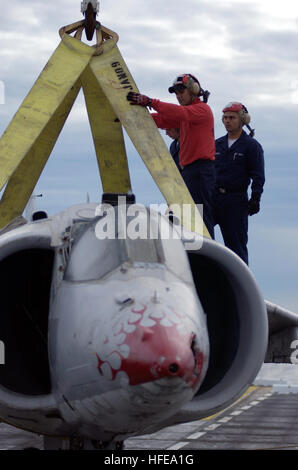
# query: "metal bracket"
94, 3
102, 34
90, 10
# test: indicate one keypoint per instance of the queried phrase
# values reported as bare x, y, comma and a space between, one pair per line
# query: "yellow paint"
107, 137
23, 180
249, 390
32, 132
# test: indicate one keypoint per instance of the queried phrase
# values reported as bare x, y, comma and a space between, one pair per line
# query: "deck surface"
265, 418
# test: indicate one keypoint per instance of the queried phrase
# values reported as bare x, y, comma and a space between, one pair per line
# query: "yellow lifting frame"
101, 71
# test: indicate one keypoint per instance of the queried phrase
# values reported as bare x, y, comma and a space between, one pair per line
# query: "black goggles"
179, 88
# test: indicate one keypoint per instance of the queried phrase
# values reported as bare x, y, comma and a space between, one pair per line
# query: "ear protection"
245, 117
192, 83
239, 108
188, 81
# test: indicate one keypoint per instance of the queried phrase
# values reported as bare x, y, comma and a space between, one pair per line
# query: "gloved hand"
254, 204
137, 98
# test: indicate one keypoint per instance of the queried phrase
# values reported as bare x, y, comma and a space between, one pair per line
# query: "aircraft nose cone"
169, 353
160, 351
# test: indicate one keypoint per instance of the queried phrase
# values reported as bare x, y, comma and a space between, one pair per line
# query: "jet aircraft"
111, 337
103, 334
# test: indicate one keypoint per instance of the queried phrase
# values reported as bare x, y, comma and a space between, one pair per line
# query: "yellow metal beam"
107, 137
115, 80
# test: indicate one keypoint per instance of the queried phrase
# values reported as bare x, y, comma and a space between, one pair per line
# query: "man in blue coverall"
175, 145
239, 162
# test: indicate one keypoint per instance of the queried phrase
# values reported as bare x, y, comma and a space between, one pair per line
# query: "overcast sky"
240, 51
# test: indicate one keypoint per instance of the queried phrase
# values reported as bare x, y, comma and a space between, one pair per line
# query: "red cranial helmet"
236, 107
239, 108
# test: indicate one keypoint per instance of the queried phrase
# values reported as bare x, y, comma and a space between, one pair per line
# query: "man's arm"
256, 171
171, 115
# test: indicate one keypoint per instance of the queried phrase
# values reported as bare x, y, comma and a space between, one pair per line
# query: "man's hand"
136, 98
254, 204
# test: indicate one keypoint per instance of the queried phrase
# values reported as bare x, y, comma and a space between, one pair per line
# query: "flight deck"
264, 418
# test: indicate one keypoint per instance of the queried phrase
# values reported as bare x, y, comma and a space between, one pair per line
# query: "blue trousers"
231, 214
199, 178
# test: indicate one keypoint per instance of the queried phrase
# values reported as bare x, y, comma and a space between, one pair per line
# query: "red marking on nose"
158, 352
147, 334
163, 352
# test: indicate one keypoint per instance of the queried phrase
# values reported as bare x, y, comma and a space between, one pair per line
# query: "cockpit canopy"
117, 238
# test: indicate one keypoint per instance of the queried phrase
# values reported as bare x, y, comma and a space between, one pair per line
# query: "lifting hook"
90, 9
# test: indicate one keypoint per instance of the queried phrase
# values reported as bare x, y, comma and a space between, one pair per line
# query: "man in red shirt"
195, 120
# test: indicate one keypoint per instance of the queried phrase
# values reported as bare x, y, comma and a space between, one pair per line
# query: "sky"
239, 50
